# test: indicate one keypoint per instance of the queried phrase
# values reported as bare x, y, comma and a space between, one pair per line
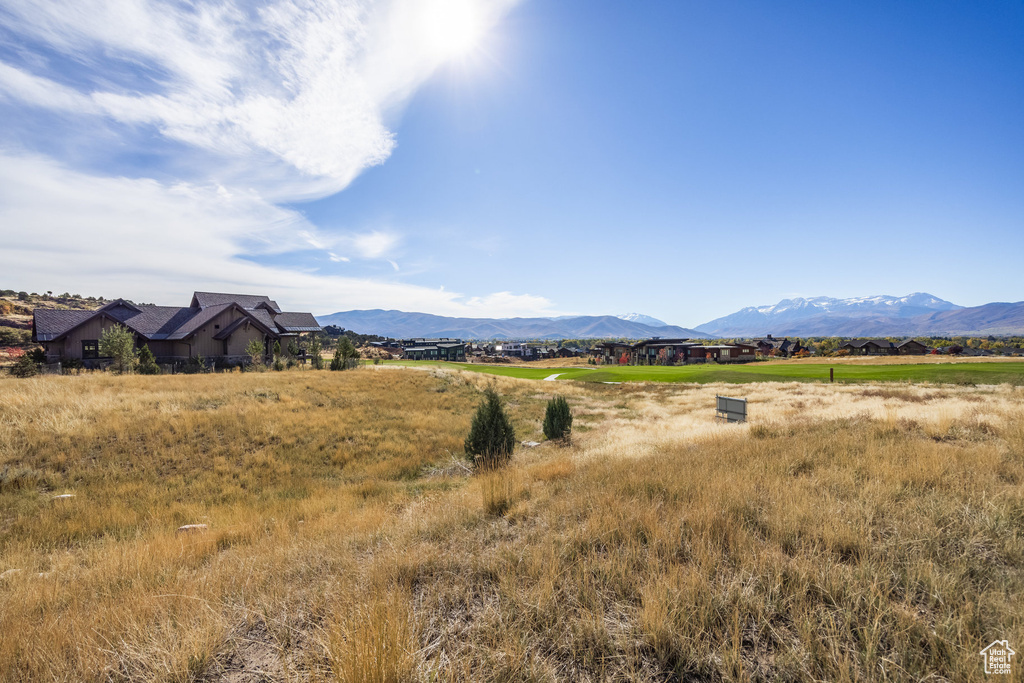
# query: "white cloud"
282, 101
308, 83
374, 244
66, 230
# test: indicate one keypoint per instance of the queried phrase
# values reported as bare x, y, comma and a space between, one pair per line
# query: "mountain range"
871, 316
399, 324
918, 314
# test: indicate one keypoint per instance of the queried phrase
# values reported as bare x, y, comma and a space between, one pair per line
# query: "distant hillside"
401, 324
914, 314
16, 312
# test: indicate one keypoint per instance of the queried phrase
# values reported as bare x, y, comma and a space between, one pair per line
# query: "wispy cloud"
278, 102
308, 83
159, 242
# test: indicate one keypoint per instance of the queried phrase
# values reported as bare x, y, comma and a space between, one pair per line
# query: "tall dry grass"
845, 533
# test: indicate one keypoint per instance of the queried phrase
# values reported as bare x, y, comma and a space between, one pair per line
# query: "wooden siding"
71, 345
203, 342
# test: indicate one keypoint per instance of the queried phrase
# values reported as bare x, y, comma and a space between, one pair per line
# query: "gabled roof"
247, 301
773, 342
50, 324
175, 322
152, 322
239, 322
205, 316
860, 343
296, 322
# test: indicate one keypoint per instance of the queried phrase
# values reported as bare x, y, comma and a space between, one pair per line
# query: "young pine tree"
491, 437
558, 419
147, 363
254, 349
345, 355
24, 367
118, 343
338, 361
315, 349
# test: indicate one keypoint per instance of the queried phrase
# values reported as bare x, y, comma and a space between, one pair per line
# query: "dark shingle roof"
154, 322
248, 301
297, 322
51, 324
198, 319
175, 322
264, 317
859, 343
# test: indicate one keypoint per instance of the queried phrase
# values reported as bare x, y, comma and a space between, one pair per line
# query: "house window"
216, 327
90, 348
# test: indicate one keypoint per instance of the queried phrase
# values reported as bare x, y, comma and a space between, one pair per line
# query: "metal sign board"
731, 409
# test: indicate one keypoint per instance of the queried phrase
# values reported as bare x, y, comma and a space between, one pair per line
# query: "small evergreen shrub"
254, 349
315, 349
194, 365
558, 419
345, 355
71, 366
147, 363
24, 367
491, 437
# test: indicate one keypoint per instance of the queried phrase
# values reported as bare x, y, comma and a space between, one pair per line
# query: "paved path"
552, 378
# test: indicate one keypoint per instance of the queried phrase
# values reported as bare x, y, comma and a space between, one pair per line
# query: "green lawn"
944, 373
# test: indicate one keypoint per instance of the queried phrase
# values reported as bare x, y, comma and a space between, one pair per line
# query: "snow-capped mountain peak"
642, 319
789, 314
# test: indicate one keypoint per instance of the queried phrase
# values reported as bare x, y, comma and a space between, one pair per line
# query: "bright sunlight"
452, 28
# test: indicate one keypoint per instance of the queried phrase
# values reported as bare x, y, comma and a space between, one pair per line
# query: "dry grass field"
846, 533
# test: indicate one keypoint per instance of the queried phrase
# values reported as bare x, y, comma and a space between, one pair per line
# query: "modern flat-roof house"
216, 326
513, 348
445, 348
658, 351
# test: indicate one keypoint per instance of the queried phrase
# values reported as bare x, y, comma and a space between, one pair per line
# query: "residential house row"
217, 326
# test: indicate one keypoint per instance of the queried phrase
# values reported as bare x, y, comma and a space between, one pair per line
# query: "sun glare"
452, 28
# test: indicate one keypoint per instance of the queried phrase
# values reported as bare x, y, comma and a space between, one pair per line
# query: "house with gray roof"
215, 325
869, 347
772, 346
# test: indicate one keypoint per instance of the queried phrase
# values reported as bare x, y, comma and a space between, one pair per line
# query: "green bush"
117, 342
345, 355
147, 363
558, 419
24, 367
315, 349
491, 437
254, 349
12, 336
71, 365
194, 365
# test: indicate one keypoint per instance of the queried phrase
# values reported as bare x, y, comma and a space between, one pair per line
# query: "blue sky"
501, 158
